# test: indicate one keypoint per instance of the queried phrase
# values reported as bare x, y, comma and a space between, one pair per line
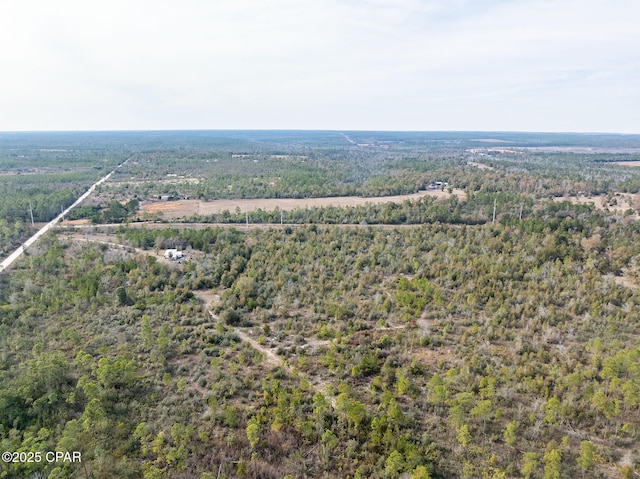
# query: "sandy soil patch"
580, 149
170, 181
624, 201
80, 222
480, 165
624, 281
491, 140
111, 241
508, 151
434, 356
186, 208
208, 298
627, 163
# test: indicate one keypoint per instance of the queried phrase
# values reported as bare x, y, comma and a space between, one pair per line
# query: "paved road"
17, 253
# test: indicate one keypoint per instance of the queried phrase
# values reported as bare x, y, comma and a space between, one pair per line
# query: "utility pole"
281, 215
520, 217
494, 210
246, 213
31, 212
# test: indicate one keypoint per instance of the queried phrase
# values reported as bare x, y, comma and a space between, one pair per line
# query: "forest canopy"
491, 336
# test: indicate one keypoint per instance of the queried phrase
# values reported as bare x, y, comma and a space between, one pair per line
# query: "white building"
173, 254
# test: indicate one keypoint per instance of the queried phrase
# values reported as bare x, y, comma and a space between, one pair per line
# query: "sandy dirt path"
208, 299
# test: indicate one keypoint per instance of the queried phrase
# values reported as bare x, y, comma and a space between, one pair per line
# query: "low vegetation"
452, 346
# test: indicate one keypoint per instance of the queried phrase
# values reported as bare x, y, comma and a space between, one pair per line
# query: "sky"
426, 65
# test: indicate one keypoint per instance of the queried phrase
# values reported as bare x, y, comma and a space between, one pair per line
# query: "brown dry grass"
624, 281
481, 166
186, 208
434, 356
170, 181
75, 222
208, 298
627, 163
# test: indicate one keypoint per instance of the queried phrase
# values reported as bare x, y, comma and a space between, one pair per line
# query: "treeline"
114, 212
10, 235
425, 210
307, 173
41, 184
511, 209
563, 173
18, 203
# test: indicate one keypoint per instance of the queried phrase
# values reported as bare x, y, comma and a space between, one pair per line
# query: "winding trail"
273, 359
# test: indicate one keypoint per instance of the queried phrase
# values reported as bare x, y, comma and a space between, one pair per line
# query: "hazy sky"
535, 65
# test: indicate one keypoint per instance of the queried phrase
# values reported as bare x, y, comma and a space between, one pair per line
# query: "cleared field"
481, 166
186, 208
170, 181
627, 163
79, 222
579, 149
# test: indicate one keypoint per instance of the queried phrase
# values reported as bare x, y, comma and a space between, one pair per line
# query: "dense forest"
423, 339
